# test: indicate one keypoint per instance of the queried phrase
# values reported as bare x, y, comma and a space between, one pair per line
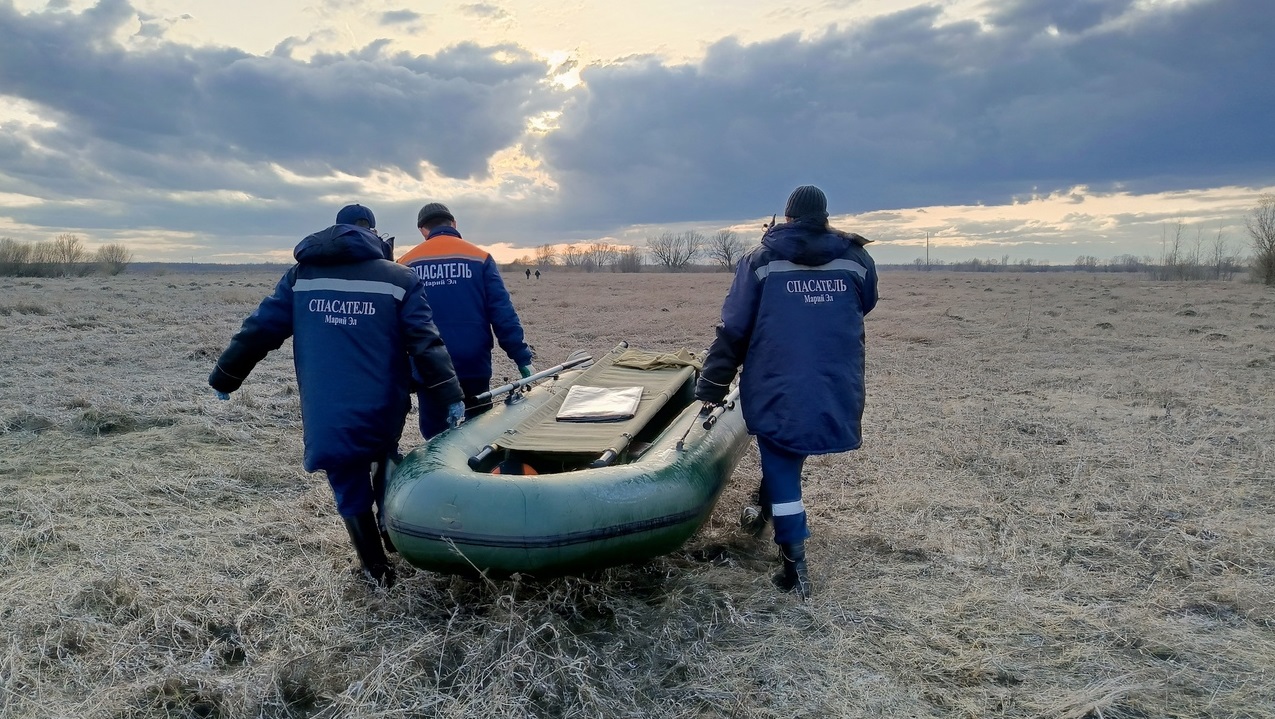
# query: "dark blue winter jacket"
358, 322
794, 319
470, 301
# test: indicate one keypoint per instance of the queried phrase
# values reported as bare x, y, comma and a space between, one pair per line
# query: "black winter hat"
433, 211
351, 214
806, 201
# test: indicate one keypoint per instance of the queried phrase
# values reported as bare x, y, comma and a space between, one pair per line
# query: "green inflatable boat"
584, 465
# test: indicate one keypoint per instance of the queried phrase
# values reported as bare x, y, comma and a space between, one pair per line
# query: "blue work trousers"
352, 488
781, 491
358, 486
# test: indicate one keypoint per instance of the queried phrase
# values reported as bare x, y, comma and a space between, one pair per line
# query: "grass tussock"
24, 308
23, 421
1062, 509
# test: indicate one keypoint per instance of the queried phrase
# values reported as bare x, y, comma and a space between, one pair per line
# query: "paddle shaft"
517, 384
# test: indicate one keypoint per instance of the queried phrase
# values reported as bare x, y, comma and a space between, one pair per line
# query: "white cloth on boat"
599, 404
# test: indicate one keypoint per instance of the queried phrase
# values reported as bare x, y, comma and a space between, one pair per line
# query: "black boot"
367, 545
383, 468
794, 577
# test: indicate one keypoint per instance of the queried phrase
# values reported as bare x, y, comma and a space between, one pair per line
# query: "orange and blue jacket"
469, 300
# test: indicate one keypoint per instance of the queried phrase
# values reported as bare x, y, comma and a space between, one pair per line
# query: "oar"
575, 360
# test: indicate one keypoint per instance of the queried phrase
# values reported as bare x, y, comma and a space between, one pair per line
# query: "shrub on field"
113, 259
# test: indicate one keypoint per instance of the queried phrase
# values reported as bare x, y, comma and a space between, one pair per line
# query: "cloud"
107, 124
351, 112
909, 110
1074, 16
485, 10
399, 17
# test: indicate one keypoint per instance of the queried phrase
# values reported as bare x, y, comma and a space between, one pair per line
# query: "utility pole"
927, 252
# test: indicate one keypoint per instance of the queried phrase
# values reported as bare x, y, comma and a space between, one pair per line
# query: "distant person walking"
359, 322
794, 319
537, 274
470, 302
528, 273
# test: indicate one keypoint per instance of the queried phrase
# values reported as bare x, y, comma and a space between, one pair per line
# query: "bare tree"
1170, 252
1225, 261
629, 260
68, 254
601, 255
113, 259
1125, 263
573, 256
14, 257
1261, 228
675, 252
725, 248
43, 260
693, 245
1087, 263
546, 255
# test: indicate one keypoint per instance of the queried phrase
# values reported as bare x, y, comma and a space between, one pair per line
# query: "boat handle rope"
710, 418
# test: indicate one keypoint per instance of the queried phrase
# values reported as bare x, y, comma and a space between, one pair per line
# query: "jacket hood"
339, 245
809, 244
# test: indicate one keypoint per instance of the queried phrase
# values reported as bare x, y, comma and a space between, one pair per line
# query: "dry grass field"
1063, 508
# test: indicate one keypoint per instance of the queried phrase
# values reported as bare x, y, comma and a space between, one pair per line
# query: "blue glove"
455, 414
223, 396
527, 370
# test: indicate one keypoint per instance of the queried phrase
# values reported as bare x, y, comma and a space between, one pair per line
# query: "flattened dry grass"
1062, 509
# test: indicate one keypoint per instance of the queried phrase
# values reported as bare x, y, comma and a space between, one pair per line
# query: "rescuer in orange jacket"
470, 304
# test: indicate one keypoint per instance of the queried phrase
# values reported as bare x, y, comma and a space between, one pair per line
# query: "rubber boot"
367, 545
794, 576
379, 476
754, 517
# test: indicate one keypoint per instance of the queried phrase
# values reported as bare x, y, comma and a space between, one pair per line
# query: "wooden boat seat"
543, 433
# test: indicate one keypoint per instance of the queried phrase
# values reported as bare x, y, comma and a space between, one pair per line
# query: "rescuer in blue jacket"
794, 319
360, 325
470, 304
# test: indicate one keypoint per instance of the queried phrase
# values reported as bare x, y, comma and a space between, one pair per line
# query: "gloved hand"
455, 414
223, 396
527, 370
708, 408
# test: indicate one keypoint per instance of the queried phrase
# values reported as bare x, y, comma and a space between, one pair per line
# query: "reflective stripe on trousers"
781, 487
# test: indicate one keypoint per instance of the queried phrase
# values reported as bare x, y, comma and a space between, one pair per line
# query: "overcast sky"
223, 130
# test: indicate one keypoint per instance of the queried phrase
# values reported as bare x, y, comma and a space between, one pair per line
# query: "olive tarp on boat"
448, 512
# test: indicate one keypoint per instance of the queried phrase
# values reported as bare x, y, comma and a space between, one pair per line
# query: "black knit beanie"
433, 211
807, 202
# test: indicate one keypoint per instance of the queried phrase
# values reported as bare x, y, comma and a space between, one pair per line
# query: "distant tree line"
1182, 257
665, 252
63, 256
1185, 264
